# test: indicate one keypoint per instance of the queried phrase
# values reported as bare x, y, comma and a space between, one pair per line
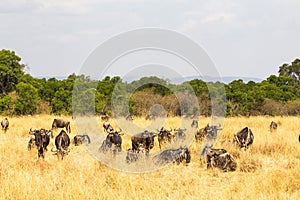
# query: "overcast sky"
243, 38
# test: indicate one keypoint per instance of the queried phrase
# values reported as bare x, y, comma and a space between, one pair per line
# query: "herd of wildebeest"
143, 142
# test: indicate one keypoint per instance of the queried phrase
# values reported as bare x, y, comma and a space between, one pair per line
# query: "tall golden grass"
269, 169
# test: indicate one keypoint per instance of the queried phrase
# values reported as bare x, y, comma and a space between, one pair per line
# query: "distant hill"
225, 79
57, 77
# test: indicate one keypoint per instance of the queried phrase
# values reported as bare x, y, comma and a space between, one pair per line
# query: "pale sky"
248, 38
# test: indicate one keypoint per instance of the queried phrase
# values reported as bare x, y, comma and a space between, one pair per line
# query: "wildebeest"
62, 142
273, 126
223, 161
201, 133
164, 136
107, 127
143, 141
218, 158
194, 123
61, 123
105, 117
129, 118
150, 117
4, 124
179, 134
173, 155
244, 138
112, 142
210, 132
208, 148
41, 140
80, 139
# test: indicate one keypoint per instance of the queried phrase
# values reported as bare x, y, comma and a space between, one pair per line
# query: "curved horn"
120, 132
31, 131
53, 150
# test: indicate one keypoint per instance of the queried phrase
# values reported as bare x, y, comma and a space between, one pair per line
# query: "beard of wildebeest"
60, 123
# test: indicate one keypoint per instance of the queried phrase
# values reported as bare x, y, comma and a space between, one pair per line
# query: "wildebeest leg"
41, 152
224, 168
69, 128
135, 147
147, 152
237, 140
30, 144
60, 155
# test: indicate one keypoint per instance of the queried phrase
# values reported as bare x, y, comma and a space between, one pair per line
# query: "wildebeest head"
80, 139
205, 150
212, 131
61, 123
201, 133
150, 117
194, 123
185, 154
143, 141
104, 117
180, 133
244, 137
273, 126
164, 136
129, 118
116, 139
149, 139
5, 124
107, 127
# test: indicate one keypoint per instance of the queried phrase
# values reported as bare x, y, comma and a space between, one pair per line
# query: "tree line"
22, 94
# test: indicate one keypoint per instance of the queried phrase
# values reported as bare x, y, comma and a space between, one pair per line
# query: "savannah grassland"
270, 169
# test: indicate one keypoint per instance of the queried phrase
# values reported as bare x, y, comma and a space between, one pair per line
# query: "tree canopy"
22, 94
11, 70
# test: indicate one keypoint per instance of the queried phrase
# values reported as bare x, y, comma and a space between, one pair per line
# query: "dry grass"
270, 169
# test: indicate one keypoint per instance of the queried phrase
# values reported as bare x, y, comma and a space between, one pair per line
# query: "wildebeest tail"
68, 128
